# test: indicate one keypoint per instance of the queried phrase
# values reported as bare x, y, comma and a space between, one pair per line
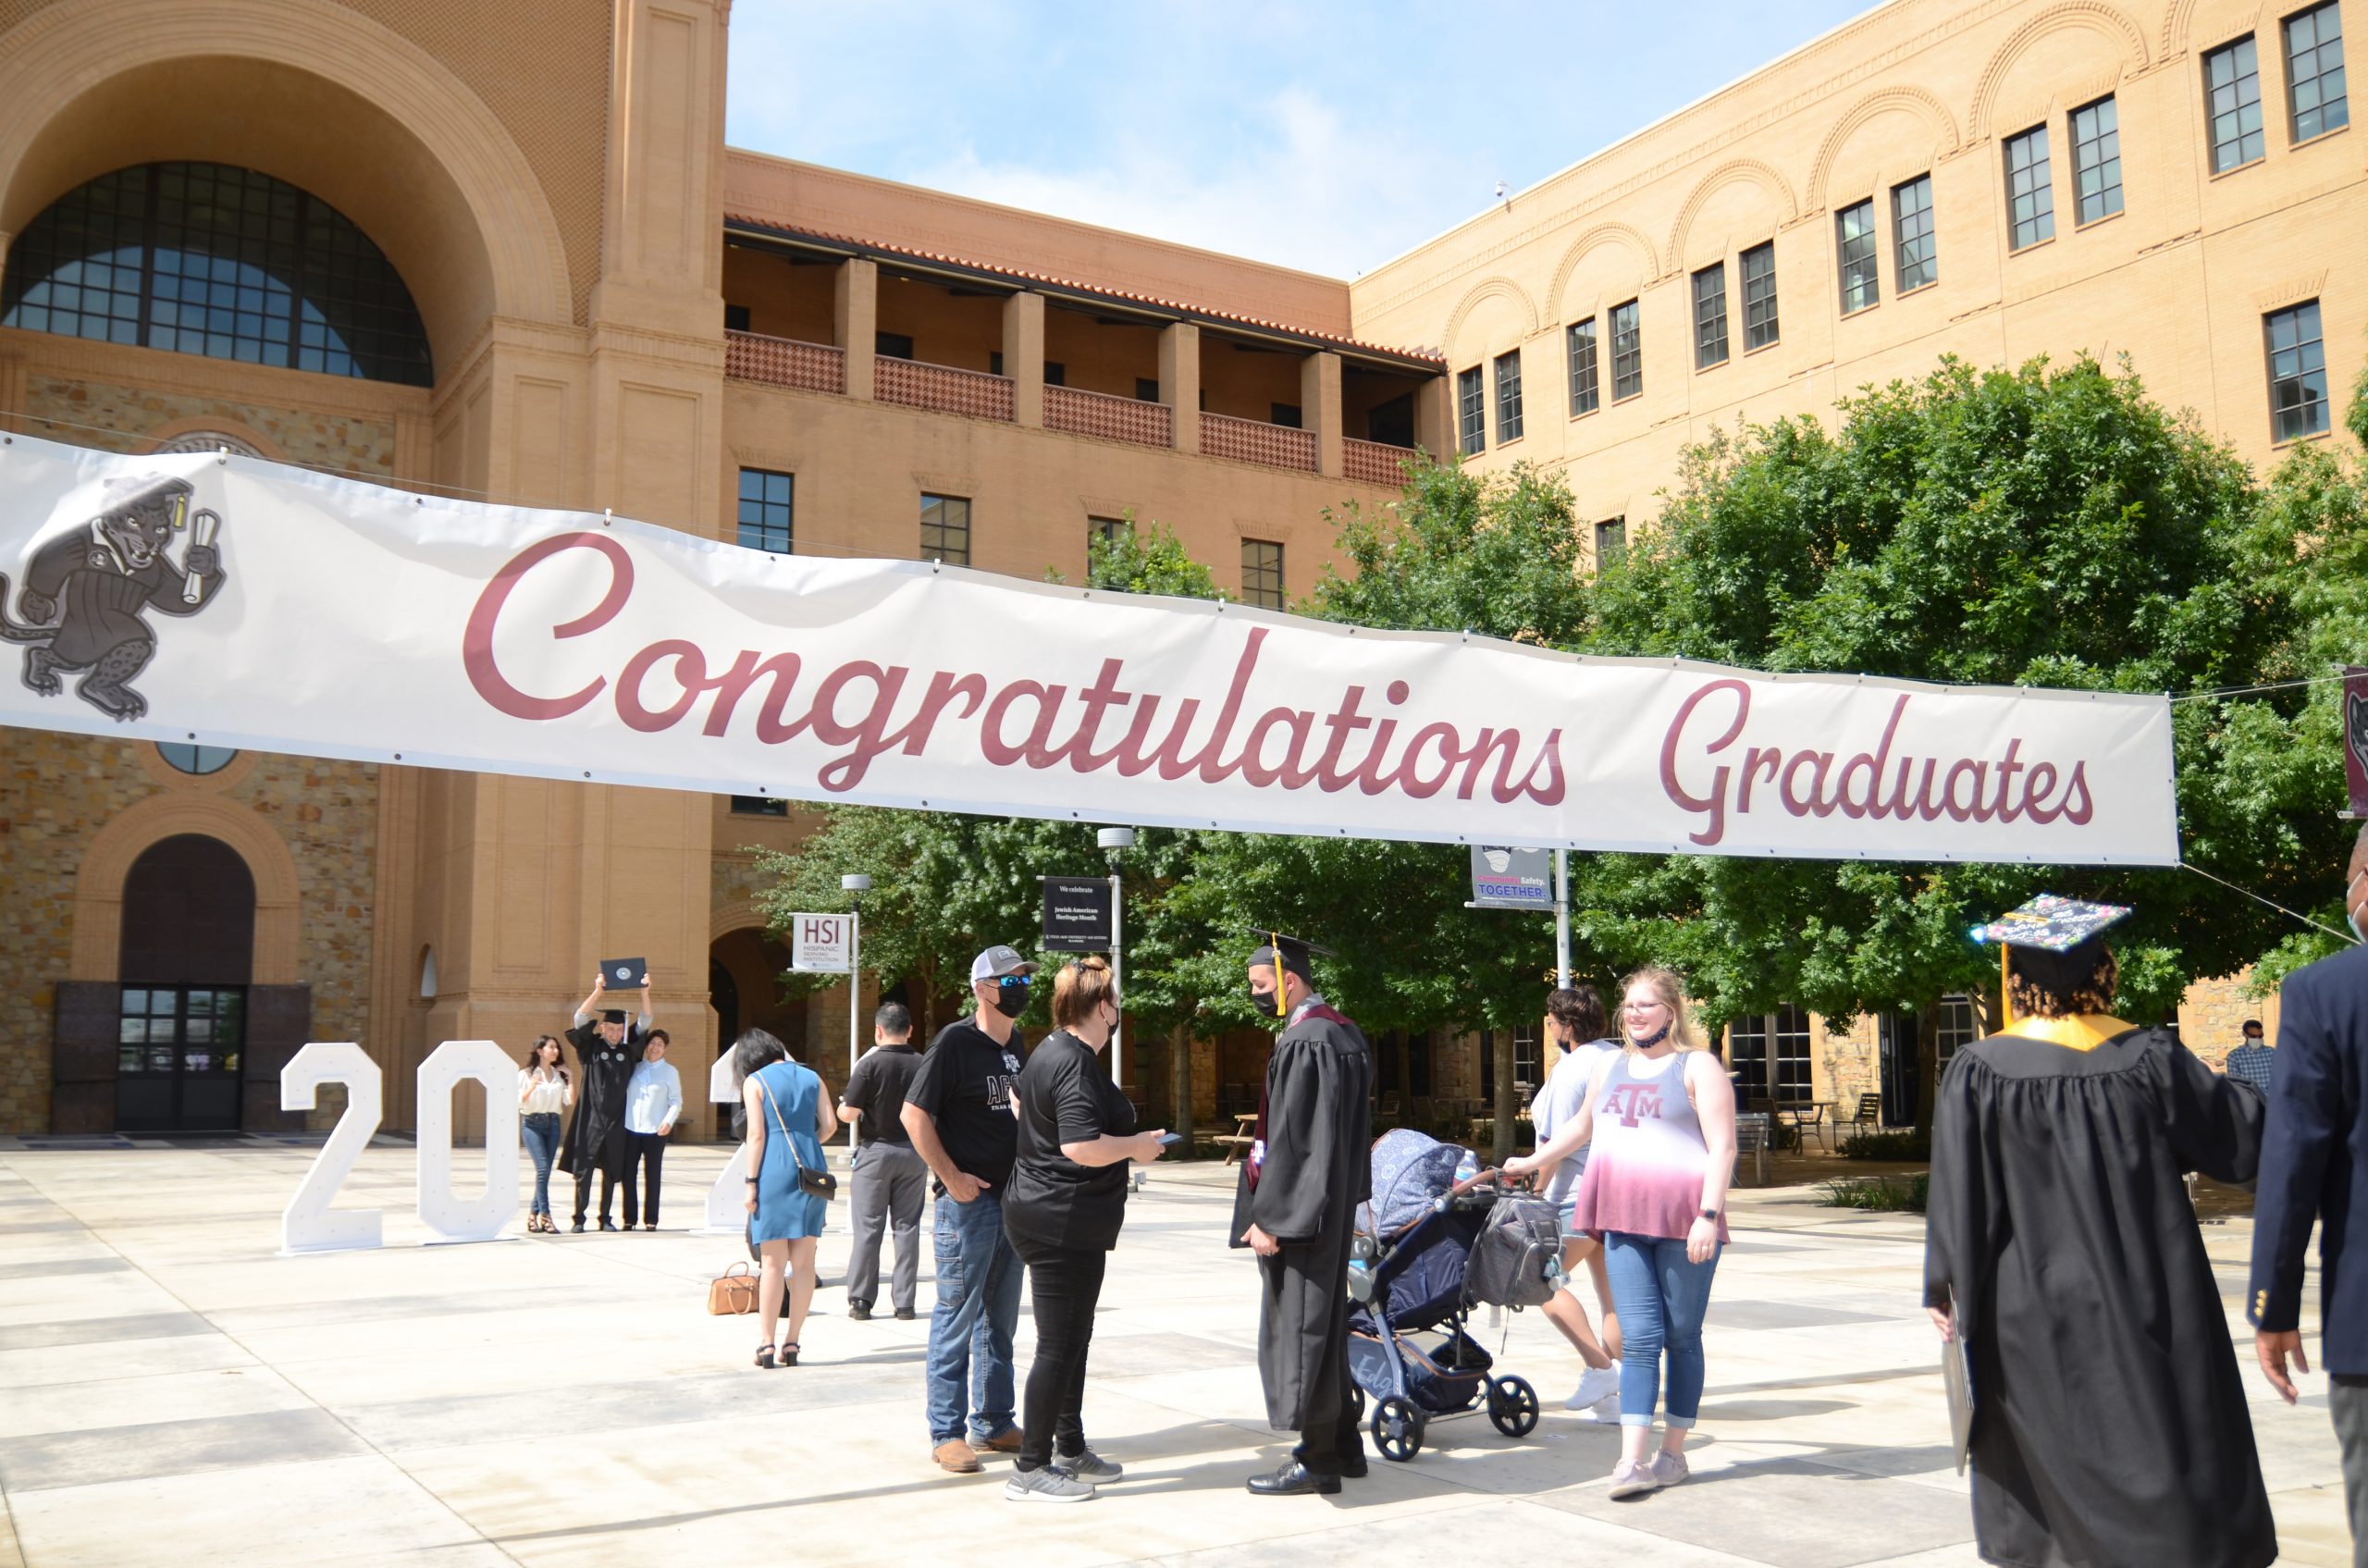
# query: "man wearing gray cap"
965, 1124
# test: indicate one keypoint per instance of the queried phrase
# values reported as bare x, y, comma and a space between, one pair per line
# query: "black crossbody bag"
813, 1184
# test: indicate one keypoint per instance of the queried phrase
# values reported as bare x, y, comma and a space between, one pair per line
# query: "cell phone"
1171, 1138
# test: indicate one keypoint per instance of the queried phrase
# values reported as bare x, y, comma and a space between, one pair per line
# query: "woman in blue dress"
789, 1112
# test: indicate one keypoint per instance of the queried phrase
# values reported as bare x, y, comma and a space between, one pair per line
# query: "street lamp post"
1113, 842
856, 884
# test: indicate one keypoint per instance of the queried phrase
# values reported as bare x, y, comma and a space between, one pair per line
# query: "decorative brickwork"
1249, 441
785, 362
118, 419
943, 388
1081, 413
1374, 463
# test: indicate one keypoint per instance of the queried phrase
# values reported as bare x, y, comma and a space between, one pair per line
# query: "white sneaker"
1669, 1469
1598, 1384
1632, 1480
1047, 1485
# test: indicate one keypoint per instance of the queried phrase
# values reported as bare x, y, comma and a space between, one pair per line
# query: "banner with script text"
234, 602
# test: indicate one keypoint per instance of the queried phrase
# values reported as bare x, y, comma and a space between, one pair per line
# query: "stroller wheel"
1397, 1429
1512, 1406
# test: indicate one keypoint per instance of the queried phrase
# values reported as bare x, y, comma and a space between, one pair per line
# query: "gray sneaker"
1088, 1466
1632, 1480
1669, 1469
1047, 1485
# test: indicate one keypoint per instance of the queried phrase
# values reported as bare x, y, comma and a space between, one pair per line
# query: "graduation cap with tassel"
1294, 951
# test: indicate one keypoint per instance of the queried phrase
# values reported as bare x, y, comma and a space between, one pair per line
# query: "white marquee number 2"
308, 1225
441, 1209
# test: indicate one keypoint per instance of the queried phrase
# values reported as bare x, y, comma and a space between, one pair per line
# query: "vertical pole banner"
580, 646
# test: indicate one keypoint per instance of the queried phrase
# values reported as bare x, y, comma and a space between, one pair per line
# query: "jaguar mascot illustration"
85, 592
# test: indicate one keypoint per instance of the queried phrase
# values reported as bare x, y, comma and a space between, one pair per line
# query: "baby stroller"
1412, 1273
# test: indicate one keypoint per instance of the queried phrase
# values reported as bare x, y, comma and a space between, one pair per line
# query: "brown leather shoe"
1004, 1441
956, 1456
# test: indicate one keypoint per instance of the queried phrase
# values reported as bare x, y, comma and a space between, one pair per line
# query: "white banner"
821, 943
236, 602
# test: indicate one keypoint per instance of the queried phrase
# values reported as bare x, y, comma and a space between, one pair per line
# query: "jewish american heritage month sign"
236, 602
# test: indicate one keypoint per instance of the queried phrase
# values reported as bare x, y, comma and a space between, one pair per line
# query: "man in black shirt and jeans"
959, 1112
887, 1180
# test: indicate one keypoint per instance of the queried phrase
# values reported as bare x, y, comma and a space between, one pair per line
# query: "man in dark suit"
2314, 1167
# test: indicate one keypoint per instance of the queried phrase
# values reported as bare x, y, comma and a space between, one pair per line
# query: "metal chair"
1870, 1114
1751, 1140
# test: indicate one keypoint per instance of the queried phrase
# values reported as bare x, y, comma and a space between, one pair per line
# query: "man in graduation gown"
1307, 1172
2109, 1424
606, 1052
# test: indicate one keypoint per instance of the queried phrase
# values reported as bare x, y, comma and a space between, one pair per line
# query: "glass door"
177, 1058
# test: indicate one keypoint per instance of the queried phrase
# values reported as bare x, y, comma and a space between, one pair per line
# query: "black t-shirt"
965, 1083
1066, 1097
876, 1088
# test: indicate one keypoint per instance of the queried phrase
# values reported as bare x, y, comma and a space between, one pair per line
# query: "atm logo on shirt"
1001, 1084
1634, 1103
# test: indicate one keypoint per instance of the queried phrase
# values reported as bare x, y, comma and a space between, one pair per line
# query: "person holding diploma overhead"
1296, 1207
606, 1051
1062, 1210
2110, 1425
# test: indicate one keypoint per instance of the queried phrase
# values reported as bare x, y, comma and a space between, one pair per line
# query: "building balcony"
941, 389
785, 362
1374, 463
1112, 419
1251, 441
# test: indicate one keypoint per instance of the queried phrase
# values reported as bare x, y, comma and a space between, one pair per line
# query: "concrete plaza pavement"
171, 1389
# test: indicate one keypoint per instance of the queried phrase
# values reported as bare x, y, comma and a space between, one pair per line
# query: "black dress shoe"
1294, 1479
903, 1315
859, 1313
1352, 1465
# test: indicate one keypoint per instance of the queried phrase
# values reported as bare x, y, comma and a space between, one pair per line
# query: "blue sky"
1328, 136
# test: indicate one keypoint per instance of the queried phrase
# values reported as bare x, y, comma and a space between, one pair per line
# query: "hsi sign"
566, 646
822, 943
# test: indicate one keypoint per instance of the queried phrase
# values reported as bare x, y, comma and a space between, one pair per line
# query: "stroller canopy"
1411, 1170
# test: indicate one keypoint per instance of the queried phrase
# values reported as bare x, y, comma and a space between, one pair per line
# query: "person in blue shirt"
2314, 1172
2251, 1061
653, 1102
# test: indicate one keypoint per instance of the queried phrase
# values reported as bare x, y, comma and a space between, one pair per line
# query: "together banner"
234, 602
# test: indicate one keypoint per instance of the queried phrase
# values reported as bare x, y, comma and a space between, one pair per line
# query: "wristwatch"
1709, 1214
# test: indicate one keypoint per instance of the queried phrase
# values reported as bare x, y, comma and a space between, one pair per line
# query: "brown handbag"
731, 1292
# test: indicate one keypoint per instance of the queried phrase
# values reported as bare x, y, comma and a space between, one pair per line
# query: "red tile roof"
1100, 290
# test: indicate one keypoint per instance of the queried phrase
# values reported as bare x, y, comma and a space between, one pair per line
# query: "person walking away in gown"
2109, 1425
1309, 1169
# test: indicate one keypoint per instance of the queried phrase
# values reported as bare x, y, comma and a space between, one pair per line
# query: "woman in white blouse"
544, 1091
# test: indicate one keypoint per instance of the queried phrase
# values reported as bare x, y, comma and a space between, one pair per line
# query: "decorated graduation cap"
1293, 953
2055, 923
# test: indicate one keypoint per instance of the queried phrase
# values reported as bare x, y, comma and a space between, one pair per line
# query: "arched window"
209, 259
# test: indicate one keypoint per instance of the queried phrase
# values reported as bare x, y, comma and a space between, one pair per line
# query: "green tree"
1138, 560
2044, 527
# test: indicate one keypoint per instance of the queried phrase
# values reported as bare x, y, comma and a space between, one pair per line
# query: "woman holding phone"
1066, 1200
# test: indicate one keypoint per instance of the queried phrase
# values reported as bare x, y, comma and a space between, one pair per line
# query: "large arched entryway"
187, 957
745, 968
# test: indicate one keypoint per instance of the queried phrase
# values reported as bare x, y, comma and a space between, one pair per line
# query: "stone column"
1435, 417
854, 322
1319, 402
1023, 357
1179, 381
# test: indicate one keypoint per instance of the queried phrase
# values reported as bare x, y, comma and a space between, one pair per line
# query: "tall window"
1261, 573
2096, 161
2316, 101
208, 259
1916, 255
1760, 296
2232, 100
1587, 385
2298, 372
1471, 413
1854, 236
1747, 1056
1792, 1079
945, 529
1106, 530
1508, 369
1711, 316
1610, 541
1627, 353
1529, 1069
767, 510
1960, 1025
2030, 199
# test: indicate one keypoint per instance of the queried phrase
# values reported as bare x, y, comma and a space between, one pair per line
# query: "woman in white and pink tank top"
1662, 1118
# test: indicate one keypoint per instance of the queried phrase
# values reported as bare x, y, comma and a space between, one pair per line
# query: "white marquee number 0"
441, 1209
308, 1225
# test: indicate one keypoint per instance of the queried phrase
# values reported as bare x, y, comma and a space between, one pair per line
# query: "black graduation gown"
595, 1133
2110, 1424
1317, 1169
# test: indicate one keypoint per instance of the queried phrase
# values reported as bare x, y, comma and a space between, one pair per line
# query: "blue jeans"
969, 1333
1660, 1297
541, 1134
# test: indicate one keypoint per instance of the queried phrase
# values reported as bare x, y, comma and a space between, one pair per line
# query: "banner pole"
1117, 925
855, 996
1562, 919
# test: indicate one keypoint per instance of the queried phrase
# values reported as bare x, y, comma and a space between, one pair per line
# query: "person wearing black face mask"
962, 1117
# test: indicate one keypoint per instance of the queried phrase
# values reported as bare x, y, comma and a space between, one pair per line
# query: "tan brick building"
502, 250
